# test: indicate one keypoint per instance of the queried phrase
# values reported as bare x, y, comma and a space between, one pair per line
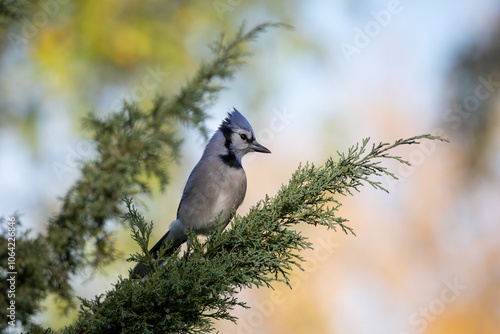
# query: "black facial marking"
227, 132
230, 160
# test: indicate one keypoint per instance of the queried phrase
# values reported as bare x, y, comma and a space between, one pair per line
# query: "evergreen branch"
187, 294
141, 231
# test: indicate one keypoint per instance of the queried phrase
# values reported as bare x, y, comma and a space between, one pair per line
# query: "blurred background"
426, 258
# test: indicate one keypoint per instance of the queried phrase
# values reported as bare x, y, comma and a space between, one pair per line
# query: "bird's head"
239, 135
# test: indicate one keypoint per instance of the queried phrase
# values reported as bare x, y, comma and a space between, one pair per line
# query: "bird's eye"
243, 136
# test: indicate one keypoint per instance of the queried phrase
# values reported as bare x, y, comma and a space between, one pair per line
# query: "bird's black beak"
256, 147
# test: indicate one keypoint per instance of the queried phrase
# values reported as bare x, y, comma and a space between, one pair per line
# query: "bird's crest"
236, 119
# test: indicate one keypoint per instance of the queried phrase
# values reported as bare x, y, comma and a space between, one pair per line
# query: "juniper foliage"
187, 293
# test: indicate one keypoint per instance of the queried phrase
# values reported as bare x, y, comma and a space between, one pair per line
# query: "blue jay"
216, 186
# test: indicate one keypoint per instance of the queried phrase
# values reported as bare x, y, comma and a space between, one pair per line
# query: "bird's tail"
142, 268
